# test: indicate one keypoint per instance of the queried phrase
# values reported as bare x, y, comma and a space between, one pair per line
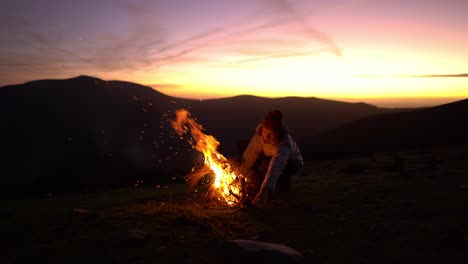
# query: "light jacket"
280, 153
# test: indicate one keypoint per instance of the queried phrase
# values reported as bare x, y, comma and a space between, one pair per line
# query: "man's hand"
260, 199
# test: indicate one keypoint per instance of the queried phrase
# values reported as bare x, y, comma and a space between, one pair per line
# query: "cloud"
457, 75
27, 42
166, 86
291, 11
281, 13
96, 41
274, 56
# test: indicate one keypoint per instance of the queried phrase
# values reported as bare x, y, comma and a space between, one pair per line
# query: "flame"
227, 183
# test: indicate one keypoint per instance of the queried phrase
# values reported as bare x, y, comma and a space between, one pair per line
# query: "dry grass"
388, 208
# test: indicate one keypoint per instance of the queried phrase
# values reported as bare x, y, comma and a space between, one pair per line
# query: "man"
283, 157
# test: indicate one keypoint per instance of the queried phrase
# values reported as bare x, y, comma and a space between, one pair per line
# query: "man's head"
272, 127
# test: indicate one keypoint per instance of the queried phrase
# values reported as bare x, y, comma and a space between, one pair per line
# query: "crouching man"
278, 155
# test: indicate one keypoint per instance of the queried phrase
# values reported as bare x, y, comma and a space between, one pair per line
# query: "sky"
390, 53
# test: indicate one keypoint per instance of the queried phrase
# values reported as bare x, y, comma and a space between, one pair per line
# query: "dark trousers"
283, 185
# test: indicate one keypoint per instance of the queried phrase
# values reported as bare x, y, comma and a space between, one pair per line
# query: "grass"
402, 207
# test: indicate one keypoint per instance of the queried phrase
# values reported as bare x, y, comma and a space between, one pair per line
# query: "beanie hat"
273, 120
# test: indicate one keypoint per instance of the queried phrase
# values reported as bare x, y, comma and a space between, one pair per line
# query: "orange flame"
227, 183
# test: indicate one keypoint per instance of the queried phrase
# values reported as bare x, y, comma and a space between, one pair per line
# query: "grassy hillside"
400, 207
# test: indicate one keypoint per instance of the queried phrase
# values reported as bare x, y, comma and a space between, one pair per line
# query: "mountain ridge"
438, 126
109, 133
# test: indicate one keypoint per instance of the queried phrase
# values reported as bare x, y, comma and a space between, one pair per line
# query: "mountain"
84, 132
75, 133
234, 119
439, 126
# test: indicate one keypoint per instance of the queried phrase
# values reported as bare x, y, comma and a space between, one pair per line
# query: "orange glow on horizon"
358, 73
325, 49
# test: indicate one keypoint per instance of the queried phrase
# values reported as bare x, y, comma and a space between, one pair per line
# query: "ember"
227, 184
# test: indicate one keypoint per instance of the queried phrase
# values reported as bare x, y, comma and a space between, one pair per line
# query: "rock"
251, 251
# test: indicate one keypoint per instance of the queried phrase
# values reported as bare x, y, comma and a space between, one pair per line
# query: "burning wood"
227, 183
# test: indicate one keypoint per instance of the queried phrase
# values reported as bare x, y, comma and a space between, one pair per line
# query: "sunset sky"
383, 52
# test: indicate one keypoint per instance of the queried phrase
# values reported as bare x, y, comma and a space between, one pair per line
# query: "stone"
252, 251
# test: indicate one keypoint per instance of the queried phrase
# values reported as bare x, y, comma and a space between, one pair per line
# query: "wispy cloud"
166, 86
273, 56
377, 76
145, 45
275, 14
290, 10
457, 75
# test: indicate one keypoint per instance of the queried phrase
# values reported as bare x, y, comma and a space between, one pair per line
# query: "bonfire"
226, 183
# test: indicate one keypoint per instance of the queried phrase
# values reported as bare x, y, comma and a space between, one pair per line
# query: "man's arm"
276, 167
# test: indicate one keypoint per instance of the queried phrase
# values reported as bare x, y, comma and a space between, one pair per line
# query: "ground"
401, 207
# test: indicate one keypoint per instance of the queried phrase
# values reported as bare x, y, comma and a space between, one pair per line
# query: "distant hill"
76, 133
234, 119
439, 126
84, 132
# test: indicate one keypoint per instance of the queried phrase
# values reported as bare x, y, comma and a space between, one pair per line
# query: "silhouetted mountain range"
439, 126
84, 132
234, 119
